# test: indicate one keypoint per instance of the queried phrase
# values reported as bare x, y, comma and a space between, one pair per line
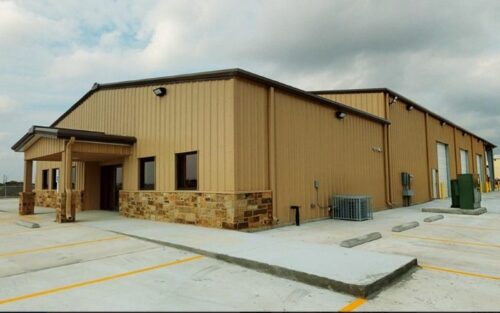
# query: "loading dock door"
479, 160
464, 161
443, 169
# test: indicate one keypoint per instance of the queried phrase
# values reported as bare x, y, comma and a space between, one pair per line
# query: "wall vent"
352, 208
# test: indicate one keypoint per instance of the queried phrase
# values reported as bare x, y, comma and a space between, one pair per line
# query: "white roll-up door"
443, 168
479, 160
464, 161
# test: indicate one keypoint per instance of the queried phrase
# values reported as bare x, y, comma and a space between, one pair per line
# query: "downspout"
271, 131
456, 150
428, 157
67, 180
387, 157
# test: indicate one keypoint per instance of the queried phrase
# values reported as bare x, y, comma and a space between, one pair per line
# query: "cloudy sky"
443, 54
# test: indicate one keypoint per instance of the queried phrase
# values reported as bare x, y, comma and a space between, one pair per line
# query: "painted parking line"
458, 272
465, 227
66, 245
37, 230
353, 305
452, 242
98, 280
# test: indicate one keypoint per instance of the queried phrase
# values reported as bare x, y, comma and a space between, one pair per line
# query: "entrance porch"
71, 148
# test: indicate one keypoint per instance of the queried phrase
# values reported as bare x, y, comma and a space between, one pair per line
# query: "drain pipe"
387, 157
67, 180
297, 214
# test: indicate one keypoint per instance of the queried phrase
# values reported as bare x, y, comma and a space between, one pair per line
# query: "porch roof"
37, 132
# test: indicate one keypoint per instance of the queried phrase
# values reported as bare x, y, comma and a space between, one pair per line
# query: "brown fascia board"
405, 99
217, 75
66, 133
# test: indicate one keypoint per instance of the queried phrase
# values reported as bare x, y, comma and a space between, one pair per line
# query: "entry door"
443, 169
111, 184
464, 161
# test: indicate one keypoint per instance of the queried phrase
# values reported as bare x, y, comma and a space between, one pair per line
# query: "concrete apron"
351, 271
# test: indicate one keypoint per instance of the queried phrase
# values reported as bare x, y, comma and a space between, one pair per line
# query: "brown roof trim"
66, 133
218, 75
405, 99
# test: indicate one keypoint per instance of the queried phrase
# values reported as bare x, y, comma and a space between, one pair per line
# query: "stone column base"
26, 203
61, 210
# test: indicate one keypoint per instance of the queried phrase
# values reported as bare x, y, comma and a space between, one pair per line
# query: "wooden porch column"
27, 197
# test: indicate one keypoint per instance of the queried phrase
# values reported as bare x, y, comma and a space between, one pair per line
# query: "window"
73, 177
55, 178
45, 179
186, 165
147, 173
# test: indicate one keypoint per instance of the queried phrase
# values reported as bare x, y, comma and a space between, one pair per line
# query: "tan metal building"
428, 146
232, 149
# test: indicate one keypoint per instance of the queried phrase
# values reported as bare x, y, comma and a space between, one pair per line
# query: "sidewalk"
352, 271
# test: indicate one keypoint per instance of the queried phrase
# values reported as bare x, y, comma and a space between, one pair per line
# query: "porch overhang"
48, 143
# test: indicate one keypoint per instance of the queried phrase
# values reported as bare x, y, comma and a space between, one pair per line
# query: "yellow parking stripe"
98, 280
353, 305
449, 270
447, 241
66, 245
465, 227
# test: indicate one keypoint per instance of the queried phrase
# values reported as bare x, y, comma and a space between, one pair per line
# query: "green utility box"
465, 192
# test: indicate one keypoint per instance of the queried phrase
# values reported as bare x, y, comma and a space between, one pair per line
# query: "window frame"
45, 179
53, 180
142, 161
184, 154
73, 177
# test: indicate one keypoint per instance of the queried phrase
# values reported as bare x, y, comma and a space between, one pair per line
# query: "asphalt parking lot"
81, 267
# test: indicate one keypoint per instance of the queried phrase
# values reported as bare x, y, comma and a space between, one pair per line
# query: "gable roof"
217, 75
405, 99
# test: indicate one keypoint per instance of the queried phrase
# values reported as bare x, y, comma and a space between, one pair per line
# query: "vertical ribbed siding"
193, 116
408, 152
312, 144
369, 102
43, 165
463, 142
251, 136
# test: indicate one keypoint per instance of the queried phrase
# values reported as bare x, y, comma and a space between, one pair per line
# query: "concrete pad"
433, 218
27, 224
355, 272
349, 243
477, 211
406, 226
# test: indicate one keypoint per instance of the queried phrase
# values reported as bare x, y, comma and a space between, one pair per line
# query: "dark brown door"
111, 184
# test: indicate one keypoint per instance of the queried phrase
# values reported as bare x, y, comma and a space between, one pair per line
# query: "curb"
349, 243
303, 277
433, 218
477, 211
406, 226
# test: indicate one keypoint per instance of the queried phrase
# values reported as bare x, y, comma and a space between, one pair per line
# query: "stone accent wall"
76, 205
46, 198
26, 203
219, 210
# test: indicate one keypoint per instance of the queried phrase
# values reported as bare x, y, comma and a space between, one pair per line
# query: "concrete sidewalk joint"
477, 211
406, 226
349, 243
433, 218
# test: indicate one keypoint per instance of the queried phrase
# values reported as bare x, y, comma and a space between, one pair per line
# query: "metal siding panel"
369, 102
313, 144
192, 116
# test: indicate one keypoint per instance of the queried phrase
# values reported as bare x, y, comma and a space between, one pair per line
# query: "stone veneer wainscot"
220, 210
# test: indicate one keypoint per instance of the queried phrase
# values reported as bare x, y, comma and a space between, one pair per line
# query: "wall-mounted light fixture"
393, 100
410, 107
463, 133
443, 123
160, 91
340, 115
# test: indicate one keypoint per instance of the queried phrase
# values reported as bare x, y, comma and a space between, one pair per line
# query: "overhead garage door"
443, 169
479, 160
464, 161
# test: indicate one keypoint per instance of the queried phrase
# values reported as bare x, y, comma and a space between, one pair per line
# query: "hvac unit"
352, 208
